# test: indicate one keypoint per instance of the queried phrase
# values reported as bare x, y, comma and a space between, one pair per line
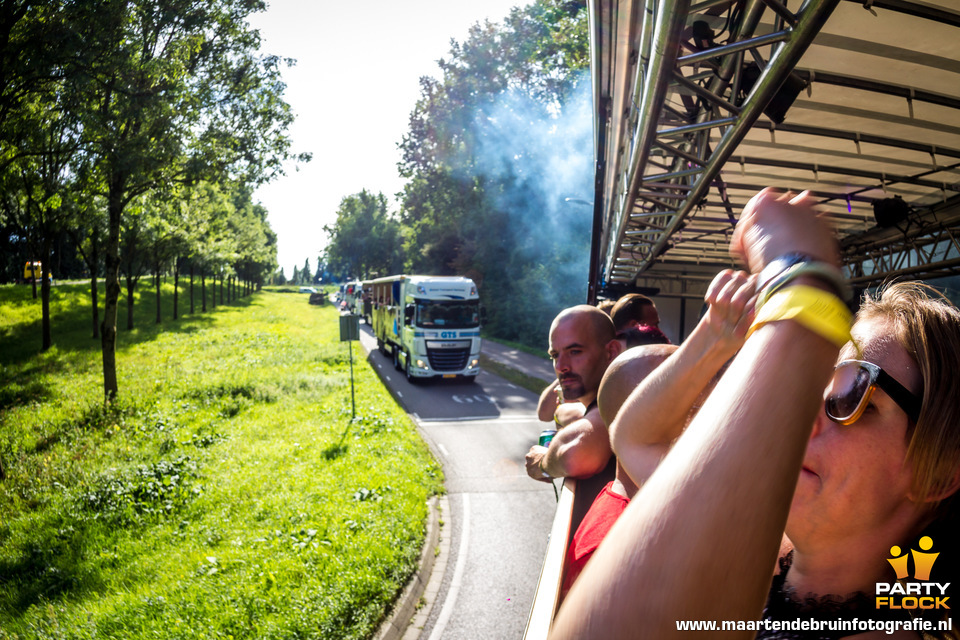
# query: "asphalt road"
499, 518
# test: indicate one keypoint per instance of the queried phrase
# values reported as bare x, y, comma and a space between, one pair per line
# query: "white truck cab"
429, 324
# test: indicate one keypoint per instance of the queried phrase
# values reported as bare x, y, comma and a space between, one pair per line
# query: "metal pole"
353, 402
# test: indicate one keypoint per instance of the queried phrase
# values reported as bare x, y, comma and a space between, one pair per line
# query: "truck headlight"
421, 364
474, 362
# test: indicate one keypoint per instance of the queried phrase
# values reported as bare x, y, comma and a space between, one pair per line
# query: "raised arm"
700, 539
549, 401
656, 411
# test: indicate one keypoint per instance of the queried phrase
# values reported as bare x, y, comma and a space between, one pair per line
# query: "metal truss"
691, 102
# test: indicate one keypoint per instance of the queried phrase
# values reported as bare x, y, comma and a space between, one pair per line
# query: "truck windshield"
449, 315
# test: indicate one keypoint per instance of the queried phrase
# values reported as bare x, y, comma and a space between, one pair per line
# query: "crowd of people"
790, 469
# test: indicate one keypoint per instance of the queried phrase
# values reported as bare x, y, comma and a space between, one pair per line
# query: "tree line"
498, 163
132, 136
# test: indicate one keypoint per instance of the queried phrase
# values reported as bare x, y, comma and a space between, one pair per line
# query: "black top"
833, 616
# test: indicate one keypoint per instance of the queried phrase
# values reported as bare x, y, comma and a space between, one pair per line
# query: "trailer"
350, 296
430, 325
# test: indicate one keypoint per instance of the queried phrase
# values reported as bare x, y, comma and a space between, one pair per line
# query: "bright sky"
352, 90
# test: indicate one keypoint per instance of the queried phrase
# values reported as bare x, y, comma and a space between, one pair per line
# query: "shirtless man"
582, 345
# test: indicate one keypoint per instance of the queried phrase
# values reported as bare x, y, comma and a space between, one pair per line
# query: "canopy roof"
697, 106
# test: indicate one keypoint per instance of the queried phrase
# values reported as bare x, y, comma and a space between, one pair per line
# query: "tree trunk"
221, 288
131, 285
108, 332
203, 290
94, 294
46, 339
156, 279
191, 288
176, 285
95, 305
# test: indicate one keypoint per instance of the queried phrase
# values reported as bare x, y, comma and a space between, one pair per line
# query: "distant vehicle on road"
34, 270
350, 296
429, 324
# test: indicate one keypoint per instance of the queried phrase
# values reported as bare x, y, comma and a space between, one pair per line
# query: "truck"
350, 296
430, 325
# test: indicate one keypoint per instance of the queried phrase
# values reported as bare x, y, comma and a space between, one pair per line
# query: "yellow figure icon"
899, 564
923, 562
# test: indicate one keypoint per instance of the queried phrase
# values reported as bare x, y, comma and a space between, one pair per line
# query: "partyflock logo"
921, 592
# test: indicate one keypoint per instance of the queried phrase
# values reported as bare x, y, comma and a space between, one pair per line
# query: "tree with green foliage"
256, 243
495, 146
305, 272
167, 92
365, 239
37, 183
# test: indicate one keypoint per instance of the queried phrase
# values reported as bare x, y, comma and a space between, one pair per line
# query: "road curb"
408, 617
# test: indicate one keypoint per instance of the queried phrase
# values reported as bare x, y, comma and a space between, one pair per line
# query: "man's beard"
572, 387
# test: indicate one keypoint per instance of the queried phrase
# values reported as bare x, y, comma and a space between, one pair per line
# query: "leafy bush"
148, 491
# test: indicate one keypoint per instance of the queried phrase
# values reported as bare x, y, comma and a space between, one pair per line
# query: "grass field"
227, 494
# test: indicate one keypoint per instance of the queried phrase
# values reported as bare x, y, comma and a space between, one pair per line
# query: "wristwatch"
778, 265
782, 270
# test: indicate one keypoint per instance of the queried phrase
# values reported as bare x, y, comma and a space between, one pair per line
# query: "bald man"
582, 345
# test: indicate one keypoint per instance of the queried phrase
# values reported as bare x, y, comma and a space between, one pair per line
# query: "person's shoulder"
592, 414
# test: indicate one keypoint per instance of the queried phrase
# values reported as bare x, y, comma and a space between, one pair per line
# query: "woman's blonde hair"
927, 325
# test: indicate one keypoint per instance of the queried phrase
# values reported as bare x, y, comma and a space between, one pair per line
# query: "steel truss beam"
665, 69
681, 113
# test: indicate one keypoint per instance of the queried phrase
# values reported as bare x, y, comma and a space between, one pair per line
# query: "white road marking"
457, 580
493, 419
443, 450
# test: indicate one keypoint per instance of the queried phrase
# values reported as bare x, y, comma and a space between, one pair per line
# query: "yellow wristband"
817, 310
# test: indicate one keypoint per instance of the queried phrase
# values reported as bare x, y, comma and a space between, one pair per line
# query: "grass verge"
227, 494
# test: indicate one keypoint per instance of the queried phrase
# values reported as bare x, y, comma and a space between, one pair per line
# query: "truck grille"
448, 359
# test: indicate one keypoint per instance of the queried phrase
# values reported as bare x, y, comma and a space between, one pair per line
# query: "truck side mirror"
408, 312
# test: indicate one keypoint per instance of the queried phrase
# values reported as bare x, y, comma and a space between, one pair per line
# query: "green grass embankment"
218, 498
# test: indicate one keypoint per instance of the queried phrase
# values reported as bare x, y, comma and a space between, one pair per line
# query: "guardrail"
574, 501
547, 597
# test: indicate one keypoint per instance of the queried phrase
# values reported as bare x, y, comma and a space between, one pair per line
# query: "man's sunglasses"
853, 385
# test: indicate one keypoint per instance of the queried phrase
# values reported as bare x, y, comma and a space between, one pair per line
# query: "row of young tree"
138, 128
498, 162
300, 276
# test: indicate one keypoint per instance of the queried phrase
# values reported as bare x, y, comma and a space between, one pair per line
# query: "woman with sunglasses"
805, 467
